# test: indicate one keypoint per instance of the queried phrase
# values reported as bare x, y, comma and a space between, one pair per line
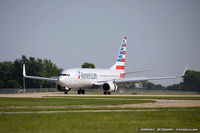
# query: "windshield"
63, 74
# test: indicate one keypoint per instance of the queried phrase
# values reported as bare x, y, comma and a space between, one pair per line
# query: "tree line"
11, 72
191, 82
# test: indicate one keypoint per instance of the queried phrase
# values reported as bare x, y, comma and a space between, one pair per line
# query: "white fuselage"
85, 78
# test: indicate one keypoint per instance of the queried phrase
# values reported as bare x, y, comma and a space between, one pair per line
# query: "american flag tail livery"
120, 63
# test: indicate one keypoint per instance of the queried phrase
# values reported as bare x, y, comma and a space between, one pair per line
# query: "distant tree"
159, 87
88, 65
11, 72
175, 87
127, 86
191, 80
6, 73
2, 84
148, 85
144, 85
132, 86
13, 84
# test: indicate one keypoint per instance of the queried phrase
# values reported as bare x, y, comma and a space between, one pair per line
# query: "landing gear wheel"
83, 91
105, 93
66, 91
80, 91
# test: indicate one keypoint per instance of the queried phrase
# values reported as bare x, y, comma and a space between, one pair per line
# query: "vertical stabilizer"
120, 63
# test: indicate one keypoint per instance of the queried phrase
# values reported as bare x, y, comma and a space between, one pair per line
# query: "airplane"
108, 79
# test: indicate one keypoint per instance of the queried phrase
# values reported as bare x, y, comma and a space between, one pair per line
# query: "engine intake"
109, 87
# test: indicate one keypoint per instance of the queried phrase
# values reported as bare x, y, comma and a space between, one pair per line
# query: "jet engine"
109, 87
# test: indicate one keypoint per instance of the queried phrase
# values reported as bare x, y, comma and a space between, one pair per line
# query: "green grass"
90, 122
35, 109
65, 101
112, 122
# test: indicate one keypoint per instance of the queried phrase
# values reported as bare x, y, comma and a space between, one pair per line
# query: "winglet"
24, 71
184, 70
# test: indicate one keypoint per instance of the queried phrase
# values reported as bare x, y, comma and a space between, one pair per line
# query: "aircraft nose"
61, 80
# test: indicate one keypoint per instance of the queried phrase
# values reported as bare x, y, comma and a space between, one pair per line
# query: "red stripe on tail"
120, 67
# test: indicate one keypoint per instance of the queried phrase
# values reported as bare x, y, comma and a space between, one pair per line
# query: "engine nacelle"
109, 87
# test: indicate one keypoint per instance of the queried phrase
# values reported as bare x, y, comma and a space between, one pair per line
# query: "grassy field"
90, 122
62, 101
112, 122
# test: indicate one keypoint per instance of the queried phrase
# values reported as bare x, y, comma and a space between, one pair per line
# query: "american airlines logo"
86, 75
79, 74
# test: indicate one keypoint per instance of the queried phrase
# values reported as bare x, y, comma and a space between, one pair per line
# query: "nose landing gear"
67, 90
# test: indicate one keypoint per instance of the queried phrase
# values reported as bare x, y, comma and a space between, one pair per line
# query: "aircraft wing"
41, 78
38, 78
138, 71
133, 80
140, 79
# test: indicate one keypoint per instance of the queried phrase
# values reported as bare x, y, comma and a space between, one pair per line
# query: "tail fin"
120, 63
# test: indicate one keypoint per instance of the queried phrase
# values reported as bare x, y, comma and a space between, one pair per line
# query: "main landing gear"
105, 93
81, 91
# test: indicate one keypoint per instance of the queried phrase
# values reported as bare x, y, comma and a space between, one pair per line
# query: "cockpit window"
62, 74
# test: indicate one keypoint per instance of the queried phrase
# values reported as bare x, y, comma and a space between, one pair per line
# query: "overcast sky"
161, 34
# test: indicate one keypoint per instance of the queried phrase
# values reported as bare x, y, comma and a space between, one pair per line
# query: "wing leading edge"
38, 78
